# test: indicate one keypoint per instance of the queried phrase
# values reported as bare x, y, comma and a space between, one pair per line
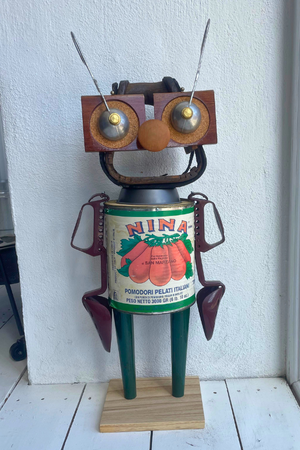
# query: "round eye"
186, 118
113, 124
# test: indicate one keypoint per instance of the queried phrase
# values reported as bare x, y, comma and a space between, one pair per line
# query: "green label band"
127, 213
151, 308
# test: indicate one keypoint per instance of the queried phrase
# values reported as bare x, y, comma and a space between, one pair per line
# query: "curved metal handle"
157, 182
98, 230
201, 244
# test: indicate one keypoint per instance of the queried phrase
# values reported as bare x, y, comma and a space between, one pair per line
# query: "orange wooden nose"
154, 135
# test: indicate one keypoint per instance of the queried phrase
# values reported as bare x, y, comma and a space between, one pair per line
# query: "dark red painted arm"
96, 305
209, 297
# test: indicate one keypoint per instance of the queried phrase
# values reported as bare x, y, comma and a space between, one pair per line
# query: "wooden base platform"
154, 407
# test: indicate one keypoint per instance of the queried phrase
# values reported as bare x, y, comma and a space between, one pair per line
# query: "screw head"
114, 118
187, 112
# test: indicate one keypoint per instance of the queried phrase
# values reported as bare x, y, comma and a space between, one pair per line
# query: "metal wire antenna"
85, 63
200, 60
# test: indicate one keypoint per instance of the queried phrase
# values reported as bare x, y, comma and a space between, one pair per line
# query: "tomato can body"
150, 257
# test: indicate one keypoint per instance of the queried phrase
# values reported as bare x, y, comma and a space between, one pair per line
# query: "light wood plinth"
154, 407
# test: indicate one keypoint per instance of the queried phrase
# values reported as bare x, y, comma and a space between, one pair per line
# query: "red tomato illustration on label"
134, 253
160, 270
177, 263
139, 269
156, 258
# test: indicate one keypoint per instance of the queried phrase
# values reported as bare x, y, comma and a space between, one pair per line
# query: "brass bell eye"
113, 124
186, 117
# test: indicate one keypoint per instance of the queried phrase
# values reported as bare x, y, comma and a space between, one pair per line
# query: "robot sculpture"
149, 240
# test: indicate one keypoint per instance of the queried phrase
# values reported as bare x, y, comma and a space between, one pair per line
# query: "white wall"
41, 80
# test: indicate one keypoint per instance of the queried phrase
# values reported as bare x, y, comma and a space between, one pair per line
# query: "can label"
150, 259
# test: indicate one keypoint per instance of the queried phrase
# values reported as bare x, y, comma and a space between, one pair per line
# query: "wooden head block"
207, 131
92, 107
134, 108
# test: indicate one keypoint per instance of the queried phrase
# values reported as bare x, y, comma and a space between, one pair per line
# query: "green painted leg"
125, 337
179, 340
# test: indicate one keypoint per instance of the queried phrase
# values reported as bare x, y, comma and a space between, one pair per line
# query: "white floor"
240, 414
243, 414
10, 371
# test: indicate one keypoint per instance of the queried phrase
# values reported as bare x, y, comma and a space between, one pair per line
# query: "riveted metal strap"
98, 234
209, 297
97, 306
97, 248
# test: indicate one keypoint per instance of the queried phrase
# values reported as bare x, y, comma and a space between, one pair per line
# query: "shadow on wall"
286, 76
